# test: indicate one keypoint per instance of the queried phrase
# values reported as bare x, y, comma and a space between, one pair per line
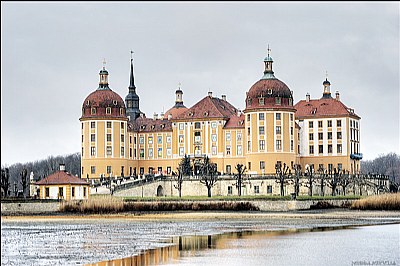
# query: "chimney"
337, 96
162, 116
210, 94
307, 97
223, 97
155, 116
62, 167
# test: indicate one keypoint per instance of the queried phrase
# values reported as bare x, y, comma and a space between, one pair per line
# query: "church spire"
268, 73
132, 99
132, 78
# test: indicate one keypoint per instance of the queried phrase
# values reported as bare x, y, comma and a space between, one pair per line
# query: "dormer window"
108, 110
269, 91
121, 111
87, 102
93, 111
115, 102
261, 101
290, 101
249, 101
278, 100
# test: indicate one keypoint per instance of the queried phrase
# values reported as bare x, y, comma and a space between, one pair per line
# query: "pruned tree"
309, 172
184, 167
344, 180
5, 181
322, 175
24, 180
297, 171
207, 173
333, 180
282, 176
240, 168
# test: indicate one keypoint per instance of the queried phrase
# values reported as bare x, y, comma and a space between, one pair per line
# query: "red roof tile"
62, 178
324, 107
143, 124
235, 122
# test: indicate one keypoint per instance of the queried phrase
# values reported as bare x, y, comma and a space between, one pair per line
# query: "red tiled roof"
62, 178
235, 122
101, 99
209, 107
324, 107
175, 111
143, 124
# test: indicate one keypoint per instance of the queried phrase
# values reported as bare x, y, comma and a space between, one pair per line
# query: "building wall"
67, 192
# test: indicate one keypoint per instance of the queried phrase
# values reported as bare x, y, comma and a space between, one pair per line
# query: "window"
122, 125
130, 152
339, 148
228, 169
269, 189
108, 137
169, 152
291, 131
261, 130
92, 124
291, 117
310, 124
150, 140
108, 110
122, 138
141, 140
329, 135
228, 150
168, 139
261, 101
213, 124
61, 192
130, 140
329, 123
228, 136
249, 145
214, 137
311, 136
180, 138
278, 129
291, 145
330, 167
248, 117
109, 169
92, 169
262, 145
329, 148
262, 165
278, 116
108, 124
229, 190
248, 131
340, 167
84, 192
159, 152
214, 150
239, 149
311, 149
338, 123
159, 139
181, 126
320, 136
256, 189
141, 153
122, 151
320, 148
73, 192
278, 145
319, 123
249, 165
261, 116
278, 100
239, 136
93, 151
92, 137
181, 151
150, 152
339, 135
141, 170
197, 125
93, 110
47, 192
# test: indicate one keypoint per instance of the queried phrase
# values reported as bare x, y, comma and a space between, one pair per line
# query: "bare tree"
297, 170
24, 180
208, 174
322, 176
282, 176
240, 168
332, 182
5, 181
310, 179
345, 179
184, 167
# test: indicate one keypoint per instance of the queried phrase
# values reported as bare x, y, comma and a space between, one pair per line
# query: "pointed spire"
268, 73
132, 78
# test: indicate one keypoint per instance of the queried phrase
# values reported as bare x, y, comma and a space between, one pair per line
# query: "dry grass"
378, 202
108, 204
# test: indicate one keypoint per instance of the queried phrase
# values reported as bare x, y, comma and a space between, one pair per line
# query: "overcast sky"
52, 52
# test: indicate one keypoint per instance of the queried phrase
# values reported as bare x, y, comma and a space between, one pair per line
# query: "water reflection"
188, 246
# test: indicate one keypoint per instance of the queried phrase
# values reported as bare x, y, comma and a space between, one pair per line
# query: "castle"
119, 140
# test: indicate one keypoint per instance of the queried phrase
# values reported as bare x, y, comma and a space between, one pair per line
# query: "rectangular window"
228, 136
92, 124
109, 169
311, 149
214, 150
339, 135
61, 192
320, 136
108, 124
82, 138
141, 140
93, 151
239, 136
291, 131
130, 152
329, 135
261, 101
338, 123
197, 125
229, 190
310, 124
248, 131
291, 117
47, 192
150, 152
228, 150
278, 116
122, 151
262, 165
109, 150
213, 124
108, 110
262, 145
278, 129
130, 140
329, 148
291, 145
168, 139
122, 125
84, 192
73, 192
311, 136
159, 139
319, 124
141, 170
92, 169
92, 137
159, 152
141, 153
249, 145
248, 117
330, 167
261, 116
150, 140
339, 148
181, 126
329, 123
239, 149
256, 189
249, 165
261, 130
278, 100
340, 167
181, 139
269, 189
108, 137
181, 151
214, 137
169, 152
122, 138
320, 148
278, 144
228, 169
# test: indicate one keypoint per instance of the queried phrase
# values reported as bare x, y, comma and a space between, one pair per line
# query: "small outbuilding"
63, 185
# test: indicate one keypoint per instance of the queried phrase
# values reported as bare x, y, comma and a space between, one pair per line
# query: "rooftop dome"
103, 102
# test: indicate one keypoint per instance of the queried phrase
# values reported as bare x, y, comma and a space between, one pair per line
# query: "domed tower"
179, 107
104, 132
132, 99
269, 123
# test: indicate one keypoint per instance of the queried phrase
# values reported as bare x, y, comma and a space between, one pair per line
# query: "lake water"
199, 242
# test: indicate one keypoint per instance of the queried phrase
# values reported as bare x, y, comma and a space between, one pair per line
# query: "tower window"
261, 101
108, 124
93, 111
108, 110
278, 100
278, 116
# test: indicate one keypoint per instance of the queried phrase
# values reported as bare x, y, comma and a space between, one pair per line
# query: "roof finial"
179, 85
104, 63
132, 55
269, 50
326, 74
